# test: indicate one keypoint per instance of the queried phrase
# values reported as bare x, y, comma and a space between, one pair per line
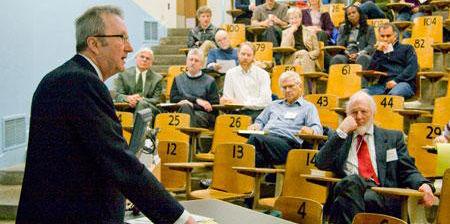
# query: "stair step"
9, 201
170, 59
167, 49
178, 31
12, 175
160, 68
173, 40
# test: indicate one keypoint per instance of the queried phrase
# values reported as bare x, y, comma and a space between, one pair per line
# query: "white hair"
290, 75
195, 51
144, 49
361, 96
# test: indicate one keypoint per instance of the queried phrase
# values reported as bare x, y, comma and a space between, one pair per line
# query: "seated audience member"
195, 91
409, 14
364, 156
303, 40
247, 6
318, 22
247, 84
357, 37
202, 36
398, 60
370, 9
273, 16
445, 137
225, 53
139, 86
283, 120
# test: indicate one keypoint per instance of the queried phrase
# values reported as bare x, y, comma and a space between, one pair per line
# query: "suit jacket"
397, 173
78, 168
125, 84
325, 21
365, 40
309, 40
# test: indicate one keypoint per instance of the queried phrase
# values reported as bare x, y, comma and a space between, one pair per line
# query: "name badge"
290, 115
391, 155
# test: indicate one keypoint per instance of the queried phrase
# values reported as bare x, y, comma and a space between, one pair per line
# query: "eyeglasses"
122, 36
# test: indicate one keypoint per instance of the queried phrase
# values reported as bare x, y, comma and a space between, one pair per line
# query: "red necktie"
365, 167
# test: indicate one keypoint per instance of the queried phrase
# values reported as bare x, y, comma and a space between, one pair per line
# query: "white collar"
194, 75
99, 73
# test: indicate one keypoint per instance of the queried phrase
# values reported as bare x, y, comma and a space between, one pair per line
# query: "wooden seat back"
343, 81
126, 120
299, 210
324, 103
276, 73
226, 179
172, 72
173, 152
372, 218
168, 124
385, 116
236, 33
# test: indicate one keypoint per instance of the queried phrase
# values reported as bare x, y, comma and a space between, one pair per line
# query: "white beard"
363, 129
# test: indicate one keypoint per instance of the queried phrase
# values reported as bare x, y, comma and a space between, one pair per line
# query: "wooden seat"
168, 124
428, 27
233, 12
225, 130
336, 11
276, 72
385, 116
422, 134
264, 52
228, 184
126, 120
173, 152
372, 218
441, 112
376, 23
236, 33
444, 204
299, 210
343, 81
299, 161
171, 73
324, 103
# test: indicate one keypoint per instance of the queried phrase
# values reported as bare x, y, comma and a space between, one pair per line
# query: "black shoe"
271, 178
205, 183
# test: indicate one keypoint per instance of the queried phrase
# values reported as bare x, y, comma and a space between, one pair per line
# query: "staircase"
166, 53
10, 186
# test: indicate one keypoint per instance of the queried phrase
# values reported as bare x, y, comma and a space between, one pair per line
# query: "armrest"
312, 137
394, 191
321, 180
339, 110
253, 171
121, 106
313, 75
184, 50
247, 133
169, 106
193, 130
127, 128
283, 50
188, 167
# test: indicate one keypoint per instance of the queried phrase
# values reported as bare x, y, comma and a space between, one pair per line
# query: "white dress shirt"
251, 88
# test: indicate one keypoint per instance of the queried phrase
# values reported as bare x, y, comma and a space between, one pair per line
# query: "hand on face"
348, 124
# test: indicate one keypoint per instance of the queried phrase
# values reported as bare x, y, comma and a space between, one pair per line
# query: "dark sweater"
188, 88
401, 64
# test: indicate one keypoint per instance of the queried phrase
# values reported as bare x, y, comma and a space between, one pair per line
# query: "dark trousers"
200, 119
353, 195
271, 149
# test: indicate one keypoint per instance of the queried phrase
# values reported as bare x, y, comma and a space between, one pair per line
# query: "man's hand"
353, 56
205, 104
381, 46
217, 67
348, 125
186, 102
191, 220
133, 100
254, 127
391, 84
440, 139
428, 197
306, 130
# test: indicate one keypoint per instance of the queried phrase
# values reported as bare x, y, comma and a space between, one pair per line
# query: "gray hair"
145, 49
387, 25
91, 23
220, 32
195, 51
361, 95
203, 9
290, 75
294, 10
246, 43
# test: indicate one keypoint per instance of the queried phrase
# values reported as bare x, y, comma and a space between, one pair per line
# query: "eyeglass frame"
124, 37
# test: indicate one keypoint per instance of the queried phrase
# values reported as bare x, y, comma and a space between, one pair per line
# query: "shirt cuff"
341, 134
183, 217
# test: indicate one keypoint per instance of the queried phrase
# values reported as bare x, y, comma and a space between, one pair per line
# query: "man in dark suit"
78, 169
139, 86
365, 155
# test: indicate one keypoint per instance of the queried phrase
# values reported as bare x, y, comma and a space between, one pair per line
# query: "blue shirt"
220, 54
283, 119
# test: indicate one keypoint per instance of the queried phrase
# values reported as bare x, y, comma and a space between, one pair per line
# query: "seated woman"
358, 37
302, 39
318, 22
370, 9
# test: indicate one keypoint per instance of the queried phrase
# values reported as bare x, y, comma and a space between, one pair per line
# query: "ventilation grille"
14, 132
151, 31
